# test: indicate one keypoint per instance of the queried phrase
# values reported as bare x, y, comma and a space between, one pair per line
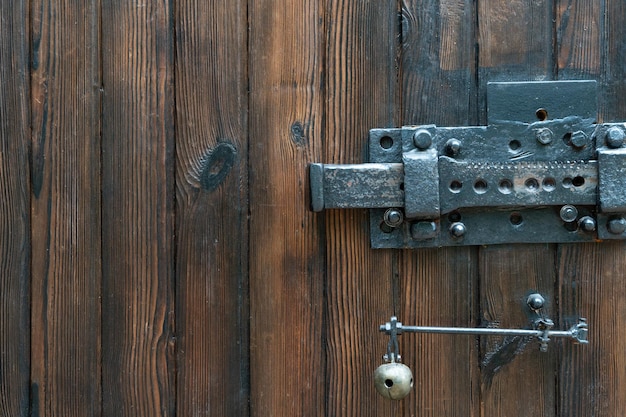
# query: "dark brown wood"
14, 210
513, 370
66, 251
287, 363
137, 209
211, 206
591, 39
438, 287
515, 43
361, 93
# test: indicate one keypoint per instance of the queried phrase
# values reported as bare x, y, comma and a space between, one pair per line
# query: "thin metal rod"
485, 331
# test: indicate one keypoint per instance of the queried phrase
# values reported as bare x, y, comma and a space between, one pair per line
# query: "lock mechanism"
390, 375
541, 171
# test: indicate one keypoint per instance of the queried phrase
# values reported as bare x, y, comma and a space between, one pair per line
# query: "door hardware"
557, 178
394, 380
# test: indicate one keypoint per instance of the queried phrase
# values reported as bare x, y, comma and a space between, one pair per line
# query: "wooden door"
159, 257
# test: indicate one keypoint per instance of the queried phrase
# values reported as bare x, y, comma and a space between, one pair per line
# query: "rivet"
535, 301
457, 230
579, 139
453, 147
543, 135
587, 223
393, 217
614, 137
424, 230
568, 213
422, 139
617, 225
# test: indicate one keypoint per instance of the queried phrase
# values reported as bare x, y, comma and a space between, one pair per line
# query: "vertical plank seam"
101, 176
29, 250
321, 226
171, 316
243, 308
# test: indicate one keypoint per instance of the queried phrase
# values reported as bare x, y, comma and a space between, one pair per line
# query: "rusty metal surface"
547, 180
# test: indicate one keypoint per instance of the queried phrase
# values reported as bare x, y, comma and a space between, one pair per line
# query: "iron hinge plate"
559, 178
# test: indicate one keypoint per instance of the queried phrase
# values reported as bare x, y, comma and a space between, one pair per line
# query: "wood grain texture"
14, 210
211, 205
66, 251
592, 44
137, 209
438, 287
286, 240
515, 42
361, 93
592, 376
438, 63
513, 370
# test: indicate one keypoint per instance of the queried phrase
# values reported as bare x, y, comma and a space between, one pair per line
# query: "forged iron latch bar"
557, 178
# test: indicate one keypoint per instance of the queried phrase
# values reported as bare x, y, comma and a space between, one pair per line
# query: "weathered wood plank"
513, 369
14, 210
211, 205
591, 44
438, 287
361, 94
286, 239
137, 209
515, 42
66, 227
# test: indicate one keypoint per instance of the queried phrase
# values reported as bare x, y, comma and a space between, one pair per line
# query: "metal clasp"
557, 178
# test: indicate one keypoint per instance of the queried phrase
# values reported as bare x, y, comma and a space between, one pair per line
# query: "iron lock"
541, 171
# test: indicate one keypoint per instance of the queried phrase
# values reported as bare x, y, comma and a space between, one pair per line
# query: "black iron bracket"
541, 171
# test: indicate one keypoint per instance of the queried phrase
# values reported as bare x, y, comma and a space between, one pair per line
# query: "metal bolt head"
614, 137
393, 380
457, 230
579, 139
424, 230
393, 217
616, 225
587, 223
568, 213
422, 139
535, 301
543, 135
453, 147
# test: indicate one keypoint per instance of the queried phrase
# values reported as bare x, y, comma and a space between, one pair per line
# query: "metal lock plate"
541, 171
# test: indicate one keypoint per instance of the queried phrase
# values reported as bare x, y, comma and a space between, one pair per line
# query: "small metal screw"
614, 137
457, 230
393, 217
617, 225
543, 135
535, 301
453, 147
587, 223
579, 139
424, 230
422, 139
568, 213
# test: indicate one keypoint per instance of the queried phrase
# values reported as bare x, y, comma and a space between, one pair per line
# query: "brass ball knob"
393, 380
